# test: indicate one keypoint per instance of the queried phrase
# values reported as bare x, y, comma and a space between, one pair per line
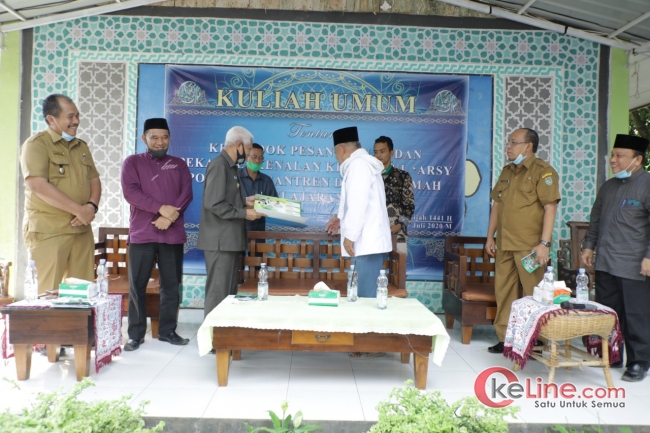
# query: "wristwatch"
94, 205
545, 243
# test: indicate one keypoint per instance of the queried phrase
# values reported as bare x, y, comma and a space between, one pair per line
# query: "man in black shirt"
255, 182
620, 228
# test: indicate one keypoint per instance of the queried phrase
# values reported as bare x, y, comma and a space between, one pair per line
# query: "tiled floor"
179, 383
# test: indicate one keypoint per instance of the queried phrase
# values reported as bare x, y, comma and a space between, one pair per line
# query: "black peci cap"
345, 135
156, 123
633, 142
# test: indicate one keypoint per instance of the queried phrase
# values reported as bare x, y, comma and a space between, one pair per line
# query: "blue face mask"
518, 160
67, 137
624, 174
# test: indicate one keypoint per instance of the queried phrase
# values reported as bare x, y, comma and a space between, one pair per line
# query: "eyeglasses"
514, 143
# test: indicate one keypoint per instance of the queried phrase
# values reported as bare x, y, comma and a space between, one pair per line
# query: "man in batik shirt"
398, 185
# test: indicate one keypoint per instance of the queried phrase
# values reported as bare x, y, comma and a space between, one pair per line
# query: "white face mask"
65, 135
624, 174
518, 160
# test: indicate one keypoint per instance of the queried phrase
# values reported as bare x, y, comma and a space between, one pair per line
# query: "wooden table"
52, 327
302, 286
234, 340
288, 323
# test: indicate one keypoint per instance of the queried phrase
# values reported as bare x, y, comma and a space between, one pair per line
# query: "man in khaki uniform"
62, 192
523, 214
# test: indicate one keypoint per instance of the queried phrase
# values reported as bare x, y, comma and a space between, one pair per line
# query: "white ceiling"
622, 23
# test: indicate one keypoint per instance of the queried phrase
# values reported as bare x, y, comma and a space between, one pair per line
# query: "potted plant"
63, 412
285, 424
409, 410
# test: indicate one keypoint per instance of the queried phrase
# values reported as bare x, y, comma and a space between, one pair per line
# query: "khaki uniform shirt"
521, 197
67, 166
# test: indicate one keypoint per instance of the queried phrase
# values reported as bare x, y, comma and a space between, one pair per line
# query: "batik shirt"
399, 198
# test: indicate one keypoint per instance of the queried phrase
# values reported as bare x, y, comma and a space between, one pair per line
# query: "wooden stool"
563, 328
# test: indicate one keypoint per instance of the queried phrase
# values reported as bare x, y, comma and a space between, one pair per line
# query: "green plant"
63, 412
409, 410
283, 425
585, 429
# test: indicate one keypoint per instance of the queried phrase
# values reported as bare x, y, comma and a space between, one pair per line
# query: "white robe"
362, 209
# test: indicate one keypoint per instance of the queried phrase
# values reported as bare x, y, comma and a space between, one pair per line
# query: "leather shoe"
132, 345
43, 351
174, 339
497, 348
635, 372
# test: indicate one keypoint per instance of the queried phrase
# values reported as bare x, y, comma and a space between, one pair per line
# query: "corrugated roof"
628, 20
625, 20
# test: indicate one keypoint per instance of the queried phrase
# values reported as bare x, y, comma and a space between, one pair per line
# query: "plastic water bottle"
549, 290
263, 283
102, 279
582, 286
31, 282
382, 290
352, 285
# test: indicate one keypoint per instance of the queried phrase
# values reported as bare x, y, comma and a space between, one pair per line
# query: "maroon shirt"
147, 184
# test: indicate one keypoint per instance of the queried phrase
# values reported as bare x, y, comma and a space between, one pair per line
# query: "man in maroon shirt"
159, 188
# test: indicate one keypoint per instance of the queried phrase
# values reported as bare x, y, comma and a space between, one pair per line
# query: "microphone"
566, 305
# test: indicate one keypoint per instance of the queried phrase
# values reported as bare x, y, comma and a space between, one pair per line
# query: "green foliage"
640, 125
409, 410
63, 412
283, 425
585, 429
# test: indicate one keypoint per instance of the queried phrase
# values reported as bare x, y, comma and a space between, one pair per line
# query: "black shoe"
497, 348
212, 352
174, 339
636, 372
132, 345
43, 351
618, 364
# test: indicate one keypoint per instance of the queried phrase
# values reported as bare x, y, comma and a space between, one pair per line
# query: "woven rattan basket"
578, 323
560, 329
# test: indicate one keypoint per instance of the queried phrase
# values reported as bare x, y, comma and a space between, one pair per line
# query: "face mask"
241, 157
157, 153
386, 171
624, 174
518, 160
254, 167
67, 137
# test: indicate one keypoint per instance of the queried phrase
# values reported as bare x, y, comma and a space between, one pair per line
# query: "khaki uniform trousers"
58, 256
508, 273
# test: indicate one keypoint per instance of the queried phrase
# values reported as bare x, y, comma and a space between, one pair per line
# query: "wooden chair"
468, 294
568, 256
5, 267
300, 269
112, 246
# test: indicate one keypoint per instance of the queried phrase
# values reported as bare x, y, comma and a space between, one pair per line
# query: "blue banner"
292, 114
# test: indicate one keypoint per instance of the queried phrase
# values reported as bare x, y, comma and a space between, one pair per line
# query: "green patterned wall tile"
572, 63
193, 291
